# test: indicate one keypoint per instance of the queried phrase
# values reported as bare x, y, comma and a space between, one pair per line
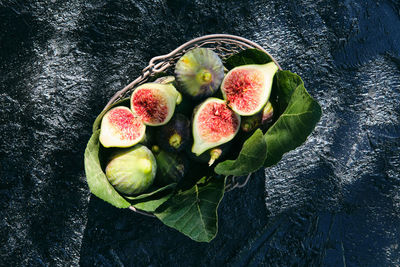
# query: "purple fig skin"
175, 136
172, 167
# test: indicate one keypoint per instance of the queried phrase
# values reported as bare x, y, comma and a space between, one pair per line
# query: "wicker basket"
223, 44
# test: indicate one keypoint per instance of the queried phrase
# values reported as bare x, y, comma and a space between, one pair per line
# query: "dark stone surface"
335, 201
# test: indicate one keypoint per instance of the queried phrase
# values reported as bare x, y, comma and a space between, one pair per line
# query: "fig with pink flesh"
247, 88
154, 103
199, 73
214, 123
121, 128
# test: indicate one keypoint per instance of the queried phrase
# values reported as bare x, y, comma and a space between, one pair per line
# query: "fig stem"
207, 77
155, 149
246, 127
215, 153
175, 140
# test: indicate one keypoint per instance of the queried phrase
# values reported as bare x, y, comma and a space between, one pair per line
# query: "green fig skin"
171, 167
132, 171
175, 136
261, 120
199, 73
166, 80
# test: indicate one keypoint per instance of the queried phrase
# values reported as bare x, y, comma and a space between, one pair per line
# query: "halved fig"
199, 73
154, 103
120, 128
214, 123
247, 88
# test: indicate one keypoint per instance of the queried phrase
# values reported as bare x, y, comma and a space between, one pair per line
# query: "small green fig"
199, 73
132, 171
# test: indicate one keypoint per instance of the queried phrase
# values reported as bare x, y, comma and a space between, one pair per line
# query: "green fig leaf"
286, 83
97, 122
151, 204
152, 200
152, 191
295, 124
96, 179
246, 57
194, 211
250, 159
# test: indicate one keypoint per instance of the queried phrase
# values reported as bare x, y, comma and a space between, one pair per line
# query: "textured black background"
335, 201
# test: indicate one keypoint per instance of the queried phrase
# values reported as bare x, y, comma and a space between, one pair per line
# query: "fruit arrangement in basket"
169, 148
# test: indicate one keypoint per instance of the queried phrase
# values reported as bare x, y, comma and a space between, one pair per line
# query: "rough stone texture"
335, 201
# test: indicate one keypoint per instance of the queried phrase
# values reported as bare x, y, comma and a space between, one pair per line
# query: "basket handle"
160, 63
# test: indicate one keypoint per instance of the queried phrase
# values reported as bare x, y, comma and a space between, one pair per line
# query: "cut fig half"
214, 123
154, 103
247, 88
120, 128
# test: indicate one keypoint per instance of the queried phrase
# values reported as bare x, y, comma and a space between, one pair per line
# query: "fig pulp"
175, 135
199, 73
154, 103
120, 128
214, 123
132, 171
247, 88
171, 167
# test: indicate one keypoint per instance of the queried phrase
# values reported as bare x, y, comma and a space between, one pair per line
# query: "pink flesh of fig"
214, 124
126, 123
242, 89
217, 121
150, 106
121, 128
